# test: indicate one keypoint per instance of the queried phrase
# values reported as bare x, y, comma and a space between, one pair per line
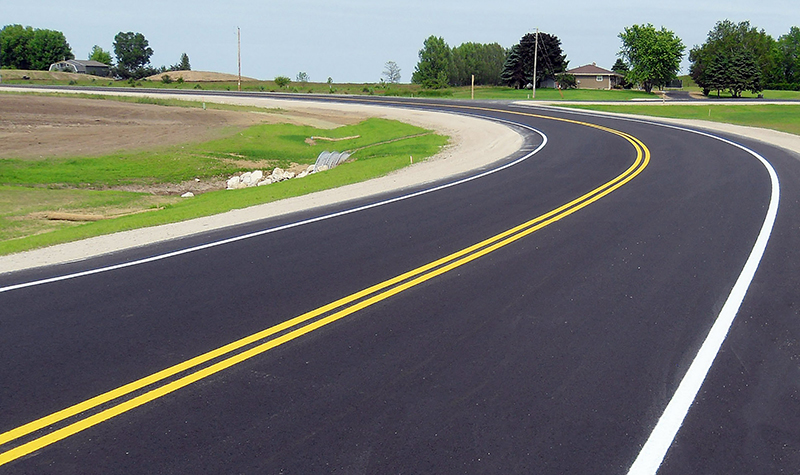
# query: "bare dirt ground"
200, 76
36, 127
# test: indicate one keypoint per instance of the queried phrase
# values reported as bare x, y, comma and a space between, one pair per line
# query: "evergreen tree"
183, 64
513, 72
550, 60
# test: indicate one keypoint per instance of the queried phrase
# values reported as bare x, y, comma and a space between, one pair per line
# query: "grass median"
56, 200
782, 117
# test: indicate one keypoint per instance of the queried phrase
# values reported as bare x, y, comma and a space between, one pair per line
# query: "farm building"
591, 76
82, 67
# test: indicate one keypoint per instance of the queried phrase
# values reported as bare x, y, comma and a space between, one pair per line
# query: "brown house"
591, 76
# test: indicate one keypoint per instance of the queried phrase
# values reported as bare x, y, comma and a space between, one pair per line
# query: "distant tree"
182, 64
731, 40
735, 71
282, 81
654, 55
133, 55
100, 55
47, 47
434, 63
28, 48
302, 77
14, 46
330, 80
788, 52
485, 62
622, 69
519, 64
513, 69
391, 71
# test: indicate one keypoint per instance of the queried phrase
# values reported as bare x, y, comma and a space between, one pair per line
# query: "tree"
282, 81
735, 70
133, 54
727, 40
519, 64
391, 71
622, 69
513, 71
654, 55
484, 61
14, 44
302, 77
47, 47
28, 48
100, 55
434, 63
788, 52
183, 64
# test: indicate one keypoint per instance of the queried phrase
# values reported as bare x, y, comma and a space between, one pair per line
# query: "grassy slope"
34, 186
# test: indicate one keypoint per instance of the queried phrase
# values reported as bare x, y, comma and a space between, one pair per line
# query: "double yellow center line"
89, 413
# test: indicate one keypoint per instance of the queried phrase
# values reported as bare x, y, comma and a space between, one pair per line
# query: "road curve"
539, 319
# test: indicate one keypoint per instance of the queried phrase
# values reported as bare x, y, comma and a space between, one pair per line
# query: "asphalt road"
555, 351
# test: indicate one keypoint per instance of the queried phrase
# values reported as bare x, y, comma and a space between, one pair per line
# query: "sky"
351, 40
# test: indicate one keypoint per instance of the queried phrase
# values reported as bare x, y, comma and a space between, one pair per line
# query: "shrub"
282, 81
166, 79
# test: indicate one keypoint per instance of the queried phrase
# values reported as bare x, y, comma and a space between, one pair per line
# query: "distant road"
538, 319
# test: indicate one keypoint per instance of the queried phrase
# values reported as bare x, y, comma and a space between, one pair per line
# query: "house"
79, 66
591, 76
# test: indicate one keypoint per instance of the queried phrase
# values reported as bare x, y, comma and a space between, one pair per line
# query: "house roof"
84, 62
591, 70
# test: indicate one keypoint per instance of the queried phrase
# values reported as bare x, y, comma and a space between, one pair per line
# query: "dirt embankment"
33, 127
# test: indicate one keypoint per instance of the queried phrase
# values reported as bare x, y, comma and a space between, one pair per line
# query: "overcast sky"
351, 40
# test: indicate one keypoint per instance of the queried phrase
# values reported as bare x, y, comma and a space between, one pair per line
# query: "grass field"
785, 118
30, 189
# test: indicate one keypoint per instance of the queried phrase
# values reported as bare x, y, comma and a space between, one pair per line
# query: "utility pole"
535, 56
239, 54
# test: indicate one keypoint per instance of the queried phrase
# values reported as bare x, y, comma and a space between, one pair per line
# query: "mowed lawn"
782, 117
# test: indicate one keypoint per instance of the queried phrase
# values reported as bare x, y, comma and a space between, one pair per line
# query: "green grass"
785, 118
79, 184
280, 145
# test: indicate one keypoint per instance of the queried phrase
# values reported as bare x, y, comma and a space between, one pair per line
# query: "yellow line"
455, 260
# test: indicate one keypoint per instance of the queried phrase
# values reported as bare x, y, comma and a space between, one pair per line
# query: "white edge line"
652, 454
290, 225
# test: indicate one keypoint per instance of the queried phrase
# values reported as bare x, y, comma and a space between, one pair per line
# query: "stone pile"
258, 178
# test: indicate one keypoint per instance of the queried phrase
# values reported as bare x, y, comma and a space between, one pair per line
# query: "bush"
783, 86
166, 79
282, 81
567, 81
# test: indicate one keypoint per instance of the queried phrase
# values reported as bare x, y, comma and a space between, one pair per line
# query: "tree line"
36, 49
738, 57
734, 58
